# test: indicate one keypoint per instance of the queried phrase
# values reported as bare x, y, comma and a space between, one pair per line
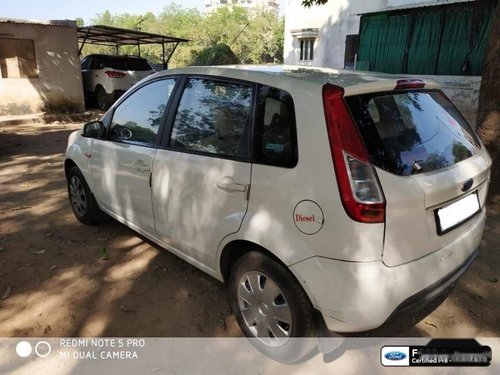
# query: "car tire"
272, 308
102, 98
83, 203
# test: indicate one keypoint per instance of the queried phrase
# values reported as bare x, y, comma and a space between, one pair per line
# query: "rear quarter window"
276, 136
413, 131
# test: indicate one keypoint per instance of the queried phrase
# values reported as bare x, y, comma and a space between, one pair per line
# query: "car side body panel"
193, 211
79, 151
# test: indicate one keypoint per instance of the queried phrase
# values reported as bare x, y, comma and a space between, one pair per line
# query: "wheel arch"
99, 86
233, 250
74, 158
68, 164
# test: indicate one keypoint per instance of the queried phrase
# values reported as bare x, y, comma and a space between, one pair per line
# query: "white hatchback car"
351, 194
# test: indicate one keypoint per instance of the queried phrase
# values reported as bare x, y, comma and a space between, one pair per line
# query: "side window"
214, 117
138, 117
84, 65
277, 143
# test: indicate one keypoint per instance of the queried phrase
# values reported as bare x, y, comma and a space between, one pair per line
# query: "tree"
79, 22
254, 37
220, 54
488, 112
310, 3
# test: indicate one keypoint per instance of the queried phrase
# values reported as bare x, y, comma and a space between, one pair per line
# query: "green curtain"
383, 38
478, 54
369, 38
455, 43
443, 40
424, 44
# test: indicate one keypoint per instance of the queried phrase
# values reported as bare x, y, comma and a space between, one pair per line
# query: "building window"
307, 49
17, 58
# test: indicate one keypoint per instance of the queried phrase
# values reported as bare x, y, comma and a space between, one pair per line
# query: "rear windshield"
126, 63
413, 131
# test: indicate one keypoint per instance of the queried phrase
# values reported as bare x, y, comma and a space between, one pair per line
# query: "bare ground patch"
61, 278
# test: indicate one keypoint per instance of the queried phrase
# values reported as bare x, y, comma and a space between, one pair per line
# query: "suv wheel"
272, 308
102, 98
82, 200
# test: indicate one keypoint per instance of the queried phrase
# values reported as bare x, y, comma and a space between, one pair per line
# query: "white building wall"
333, 20
339, 18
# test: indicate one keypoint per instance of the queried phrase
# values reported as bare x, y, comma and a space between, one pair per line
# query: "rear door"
201, 179
122, 163
431, 166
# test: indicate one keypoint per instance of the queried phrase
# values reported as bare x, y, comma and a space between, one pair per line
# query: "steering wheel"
126, 133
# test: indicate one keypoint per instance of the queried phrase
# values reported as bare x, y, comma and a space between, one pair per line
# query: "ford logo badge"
467, 184
395, 356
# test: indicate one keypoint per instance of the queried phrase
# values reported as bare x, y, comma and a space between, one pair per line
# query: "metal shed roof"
116, 37
423, 4
113, 36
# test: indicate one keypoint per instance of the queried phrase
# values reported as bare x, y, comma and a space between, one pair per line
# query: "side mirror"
94, 129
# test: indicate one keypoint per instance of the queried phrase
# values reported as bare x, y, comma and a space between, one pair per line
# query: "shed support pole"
163, 56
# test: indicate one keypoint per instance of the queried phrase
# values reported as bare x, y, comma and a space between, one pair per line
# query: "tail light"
115, 74
359, 188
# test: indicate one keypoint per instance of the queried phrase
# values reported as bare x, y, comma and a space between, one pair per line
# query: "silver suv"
106, 78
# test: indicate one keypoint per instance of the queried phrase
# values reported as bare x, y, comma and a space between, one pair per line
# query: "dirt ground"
61, 278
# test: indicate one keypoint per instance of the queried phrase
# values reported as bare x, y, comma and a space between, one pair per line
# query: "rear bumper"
361, 296
435, 290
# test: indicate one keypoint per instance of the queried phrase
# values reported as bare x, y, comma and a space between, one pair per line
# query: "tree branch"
310, 3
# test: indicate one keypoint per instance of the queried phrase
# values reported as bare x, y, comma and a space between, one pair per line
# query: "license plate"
453, 215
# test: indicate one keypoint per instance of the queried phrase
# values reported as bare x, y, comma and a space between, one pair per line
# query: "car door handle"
228, 183
140, 166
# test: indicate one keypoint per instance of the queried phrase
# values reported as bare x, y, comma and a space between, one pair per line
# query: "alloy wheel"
77, 195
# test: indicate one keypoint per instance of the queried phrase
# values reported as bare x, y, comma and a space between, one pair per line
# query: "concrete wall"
58, 87
337, 19
463, 92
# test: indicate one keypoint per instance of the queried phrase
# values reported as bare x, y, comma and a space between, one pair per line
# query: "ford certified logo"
395, 356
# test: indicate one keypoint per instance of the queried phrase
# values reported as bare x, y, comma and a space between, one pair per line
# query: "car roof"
116, 56
353, 81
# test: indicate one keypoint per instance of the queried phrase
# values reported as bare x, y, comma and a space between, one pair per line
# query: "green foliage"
220, 54
310, 3
253, 37
79, 22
